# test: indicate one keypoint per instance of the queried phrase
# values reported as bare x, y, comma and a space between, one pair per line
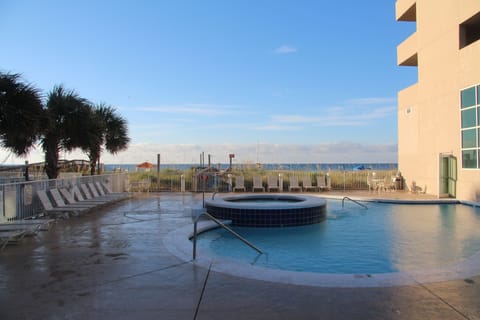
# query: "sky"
273, 81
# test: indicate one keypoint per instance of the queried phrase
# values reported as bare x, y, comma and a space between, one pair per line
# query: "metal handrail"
221, 224
355, 201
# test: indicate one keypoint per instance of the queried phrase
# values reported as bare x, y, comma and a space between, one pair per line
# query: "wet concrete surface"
112, 264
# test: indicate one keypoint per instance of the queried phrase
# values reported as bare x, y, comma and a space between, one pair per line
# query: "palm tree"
21, 114
68, 117
108, 131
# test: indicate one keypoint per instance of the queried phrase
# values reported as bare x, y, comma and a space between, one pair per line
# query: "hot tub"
268, 210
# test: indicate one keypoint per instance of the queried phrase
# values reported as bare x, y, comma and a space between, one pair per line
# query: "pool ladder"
355, 201
224, 226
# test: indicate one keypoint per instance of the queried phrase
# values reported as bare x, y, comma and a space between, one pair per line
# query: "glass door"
448, 175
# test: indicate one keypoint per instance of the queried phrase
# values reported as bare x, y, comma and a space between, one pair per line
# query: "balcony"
406, 10
470, 31
407, 52
407, 98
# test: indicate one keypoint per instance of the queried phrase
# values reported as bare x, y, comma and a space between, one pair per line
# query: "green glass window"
468, 97
469, 158
469, 138
469, 118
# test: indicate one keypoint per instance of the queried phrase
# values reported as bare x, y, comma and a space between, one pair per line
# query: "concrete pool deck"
113, 264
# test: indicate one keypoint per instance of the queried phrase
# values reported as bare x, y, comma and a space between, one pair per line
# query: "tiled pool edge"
177, 243
268, 210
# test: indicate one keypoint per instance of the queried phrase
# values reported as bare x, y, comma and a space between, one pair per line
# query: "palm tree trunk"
51, 159
93, 164
99, 168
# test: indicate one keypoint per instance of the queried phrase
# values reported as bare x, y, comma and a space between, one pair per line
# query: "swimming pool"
385, 238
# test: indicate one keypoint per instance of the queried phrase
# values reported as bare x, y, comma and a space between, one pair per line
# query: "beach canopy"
145, 165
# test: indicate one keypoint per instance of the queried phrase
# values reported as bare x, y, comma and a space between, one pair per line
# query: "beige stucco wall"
432, 125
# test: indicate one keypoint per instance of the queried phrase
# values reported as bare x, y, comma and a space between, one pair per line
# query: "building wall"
429, 118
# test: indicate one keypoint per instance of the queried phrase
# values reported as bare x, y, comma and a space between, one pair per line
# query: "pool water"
384, 238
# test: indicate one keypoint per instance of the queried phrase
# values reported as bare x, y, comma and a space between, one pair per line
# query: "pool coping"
177, 243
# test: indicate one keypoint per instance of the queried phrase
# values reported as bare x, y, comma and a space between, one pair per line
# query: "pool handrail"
355, 201
222, 225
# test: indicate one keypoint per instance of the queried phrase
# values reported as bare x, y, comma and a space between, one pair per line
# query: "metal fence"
223, 182
19, 200
16, 177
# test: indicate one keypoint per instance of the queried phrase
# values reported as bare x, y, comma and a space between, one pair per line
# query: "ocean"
272, 166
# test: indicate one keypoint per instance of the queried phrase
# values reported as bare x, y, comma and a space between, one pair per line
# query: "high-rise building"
439, 116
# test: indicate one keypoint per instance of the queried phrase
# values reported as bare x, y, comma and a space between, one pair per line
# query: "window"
470, 31
469, 138
469, 118
468, 97
470, 127
469, 159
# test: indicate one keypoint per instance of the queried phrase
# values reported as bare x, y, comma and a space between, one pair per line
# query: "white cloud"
293, 118
276, 127
335, 152
192, 109
351, 114
285, 49
370, 101
337, 118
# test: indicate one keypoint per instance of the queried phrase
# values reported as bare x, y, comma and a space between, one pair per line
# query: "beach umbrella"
145, 165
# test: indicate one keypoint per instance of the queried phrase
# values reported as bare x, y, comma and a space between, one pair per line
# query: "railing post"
195, 239
182, 183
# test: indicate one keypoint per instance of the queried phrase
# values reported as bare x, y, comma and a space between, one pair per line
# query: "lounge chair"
375, 183
385, 184
77, 194
272, 183
70, 199
389, 183
91, 193
257, 184
11, 232
41, 224
51, 210
57, 198
307, 184
10, 237
107, 192
29, 229
239, 183
321, 183
294, 184
370, 184
329, 182
88, 194
99, 193
93, 190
